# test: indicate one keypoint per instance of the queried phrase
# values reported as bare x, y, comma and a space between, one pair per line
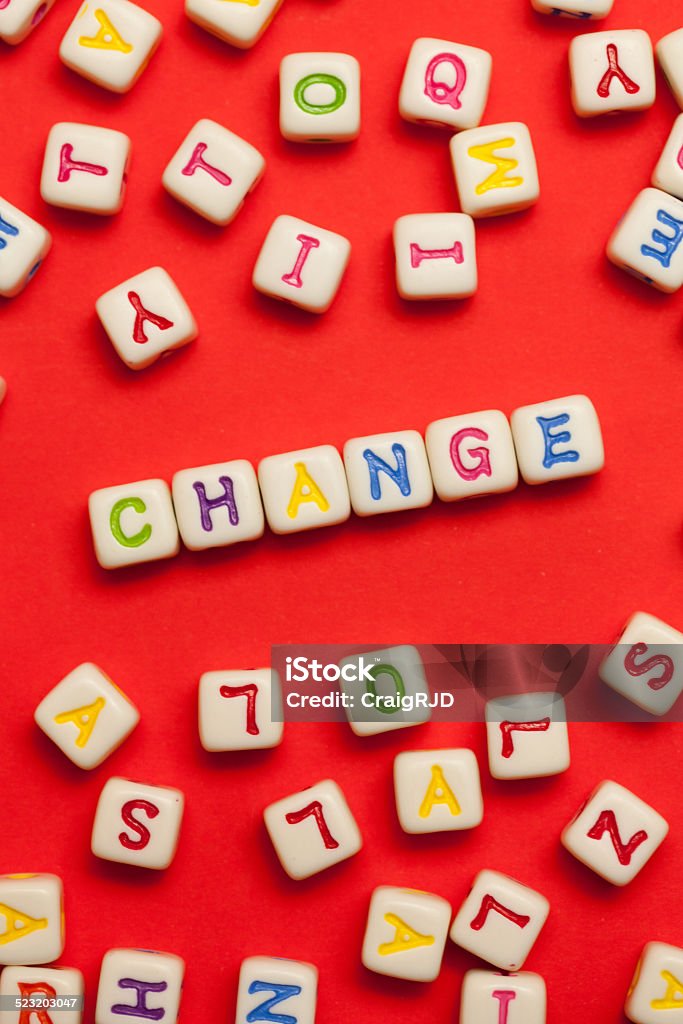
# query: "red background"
563, 562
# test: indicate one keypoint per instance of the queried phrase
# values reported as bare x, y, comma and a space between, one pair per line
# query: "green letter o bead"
320, 108
388, 670
138, 539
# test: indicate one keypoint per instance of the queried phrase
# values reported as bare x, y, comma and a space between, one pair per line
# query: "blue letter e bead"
669, 243
263, 1010
376, 465
547, 424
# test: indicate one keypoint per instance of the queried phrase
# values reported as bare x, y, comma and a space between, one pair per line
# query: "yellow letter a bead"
673, 997
405, 937
83, 718
438, 793
305, 489
17, 925
107, 37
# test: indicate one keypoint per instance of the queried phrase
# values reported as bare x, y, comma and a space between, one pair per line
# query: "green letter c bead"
320, 108
397, 679
137, 539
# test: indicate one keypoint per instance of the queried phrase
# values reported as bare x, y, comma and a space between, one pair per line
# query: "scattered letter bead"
435, 256
140, 984
87, 716
24, 244
301, 263
32, 919
18, 18
495, 169
133, 523
611, 71
388, 472
236, 710
85, 168
668, 173
146, 317
319, 97
585, 10
406, 933
214, 170
646, 664
471, 454
218, 505
491, 998
304, 490
669, 52
558, 439
615, 833
500, 920
137, 824
656, 992
42, 985
111, 42
437, 790
312, 830
240, 22
377, 701
647, 240
275, 989
445, 84
527, 736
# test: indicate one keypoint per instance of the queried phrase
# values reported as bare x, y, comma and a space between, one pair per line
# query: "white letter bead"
32, 917
527, 736
213, 171
491, 998
406, 933
668, 173
437, 790
133, 523
669, 52
241, 22
305, 489
139, 983
612, 71
647, 240
495, 169
17, 20
445, 84
319, 97
301, 263
146, 317
472, 454
557, 439
615, 833
85, 168
657, 986
312, 830
435, 256
585, 10
271, 987
87, 716
236, 710
24, 244
137, 824
218, 505
58, 984
646, 664
388, 472
387, 690
111, 42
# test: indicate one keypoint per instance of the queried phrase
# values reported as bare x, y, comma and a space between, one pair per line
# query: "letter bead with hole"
24, 244
133, 523
557, 439
301, 264
615, 833
445, 84
388, 472
668, 172
85, 168
611, 71
471, 455
437, 790
18, 18
582, 10
646, 664
406, 933
139, 984
526, 735
218, 505
239, 22
137, 824
669, 52
319, 97
304, 490
656, 992
272, 988
240, 710
647, 240
491, 998
54, 990
435, 256
495, 169
31, 918
386, 690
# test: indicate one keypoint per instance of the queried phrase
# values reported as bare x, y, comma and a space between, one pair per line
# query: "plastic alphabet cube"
445, 84
18, 18
3, 389
388, 690
615, 833
85, 168
527, 736
87, 716
137, 824
312, 830
304, 490
656, 992
491, 998
669, 52
218, 505
133, 523
24, 244
301, 264
557, 439
500, 920
388, 473
437, 790
272, 988
146, 317
57, 993
139, 984
319, 97
240, 710
646, 664
406, 933
111, 42
668, 172
31, 918
612, 71
435, 256
647, 240
214, 170
239, 22
583, 10
472, 454
495, 169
